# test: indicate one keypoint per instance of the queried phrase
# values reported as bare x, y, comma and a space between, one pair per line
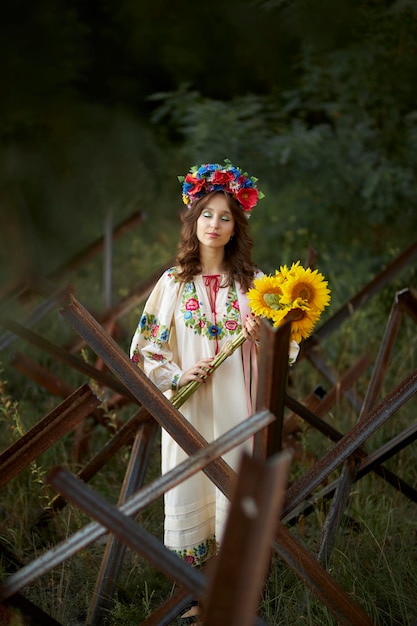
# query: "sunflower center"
304, 291
272, 300
295, 315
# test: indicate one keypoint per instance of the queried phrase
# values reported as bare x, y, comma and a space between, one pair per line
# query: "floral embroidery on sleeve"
175, 381
156, 334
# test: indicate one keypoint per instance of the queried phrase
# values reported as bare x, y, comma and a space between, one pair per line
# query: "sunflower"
265, 296
306, 284
302, 318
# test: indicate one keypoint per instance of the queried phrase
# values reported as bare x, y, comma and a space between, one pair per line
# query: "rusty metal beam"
124, 435
407, 301
93, 249
114, 552
315, 577
127, 531
145, 392
407, 257
367, 463
35, 316
158, 405
350, 443
27, 614
335, 435
90, 533
388, 450
64, 356
319, 404
237, 579
338, 505
40, 375
348, 473
272, 383
46, 432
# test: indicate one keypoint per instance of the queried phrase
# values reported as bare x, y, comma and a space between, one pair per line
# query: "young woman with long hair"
194, 309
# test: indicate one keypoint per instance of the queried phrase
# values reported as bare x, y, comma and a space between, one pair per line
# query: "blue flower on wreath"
164, 335
188, 315
142, 322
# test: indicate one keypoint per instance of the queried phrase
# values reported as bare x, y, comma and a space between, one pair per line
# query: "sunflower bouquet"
292, 294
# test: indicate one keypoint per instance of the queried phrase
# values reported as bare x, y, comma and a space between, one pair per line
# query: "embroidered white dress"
181, 324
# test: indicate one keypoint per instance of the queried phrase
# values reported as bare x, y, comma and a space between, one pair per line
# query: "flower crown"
214, 177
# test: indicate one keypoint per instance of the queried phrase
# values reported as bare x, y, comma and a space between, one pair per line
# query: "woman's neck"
212, 262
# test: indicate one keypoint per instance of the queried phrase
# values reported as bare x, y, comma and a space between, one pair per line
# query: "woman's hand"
198, 372
252, 328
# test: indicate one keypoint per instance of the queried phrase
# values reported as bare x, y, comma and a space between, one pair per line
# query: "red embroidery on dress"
212, 284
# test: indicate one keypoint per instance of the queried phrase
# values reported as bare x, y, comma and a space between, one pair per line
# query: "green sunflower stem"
185, 392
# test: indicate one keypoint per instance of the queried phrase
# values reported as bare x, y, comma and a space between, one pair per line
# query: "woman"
194, 309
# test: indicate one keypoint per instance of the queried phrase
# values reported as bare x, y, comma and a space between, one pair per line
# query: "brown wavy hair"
238, 251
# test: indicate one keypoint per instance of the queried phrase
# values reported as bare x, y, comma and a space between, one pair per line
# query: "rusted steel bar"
349, 469
333, 434
97, 246
369, 462
127, 304
116, 361
27, 614
317, 360
78, 259
388, 450
127, 531
150, 493
344, 384
348, 473
58, 387
62, 355
124, 435
40, 375
235, 589
140, 293
312, 418
350, 442
407, 257
338, 505
381, 363
144, 391
114, 552
172, 607
407, 301
271, 387
46, 432
35, 316
315, 577
319, 405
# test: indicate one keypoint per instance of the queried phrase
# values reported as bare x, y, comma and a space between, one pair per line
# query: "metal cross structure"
263, 506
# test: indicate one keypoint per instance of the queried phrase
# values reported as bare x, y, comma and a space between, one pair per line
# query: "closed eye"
225, 218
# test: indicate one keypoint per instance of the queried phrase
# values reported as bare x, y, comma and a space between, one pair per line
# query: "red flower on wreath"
197, 183
248, 197
221, 177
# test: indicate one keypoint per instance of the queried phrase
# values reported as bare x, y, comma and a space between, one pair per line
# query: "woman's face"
216, 224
